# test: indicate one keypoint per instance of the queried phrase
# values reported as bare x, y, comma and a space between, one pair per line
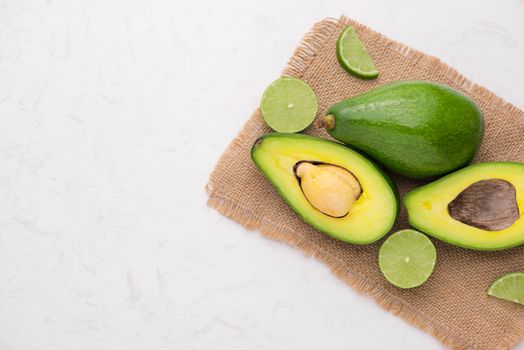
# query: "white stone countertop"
112, 115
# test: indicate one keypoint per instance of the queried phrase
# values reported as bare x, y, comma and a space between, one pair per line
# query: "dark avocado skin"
418, 129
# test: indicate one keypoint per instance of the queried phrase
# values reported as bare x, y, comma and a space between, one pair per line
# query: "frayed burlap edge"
306, 52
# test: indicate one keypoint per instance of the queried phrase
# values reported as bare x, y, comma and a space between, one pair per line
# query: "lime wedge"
289, 105
509, 287
353, 56
407, 258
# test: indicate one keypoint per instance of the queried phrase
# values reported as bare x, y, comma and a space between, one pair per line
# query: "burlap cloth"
452, 305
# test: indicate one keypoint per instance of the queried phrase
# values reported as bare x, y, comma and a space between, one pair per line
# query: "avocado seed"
488, 204
329, 188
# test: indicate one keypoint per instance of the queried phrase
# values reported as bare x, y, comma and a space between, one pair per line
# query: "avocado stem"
327, 122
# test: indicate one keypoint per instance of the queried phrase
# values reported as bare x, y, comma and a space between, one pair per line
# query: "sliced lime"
289, 105
353, 56
509, 287
407, 258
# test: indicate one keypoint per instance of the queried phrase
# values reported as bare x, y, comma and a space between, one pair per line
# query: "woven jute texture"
452, 305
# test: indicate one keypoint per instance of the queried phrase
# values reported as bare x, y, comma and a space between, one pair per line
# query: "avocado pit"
488, 205
331, 189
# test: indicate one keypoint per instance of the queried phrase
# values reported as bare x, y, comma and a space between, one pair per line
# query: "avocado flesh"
418, 129
372, 215
429, 207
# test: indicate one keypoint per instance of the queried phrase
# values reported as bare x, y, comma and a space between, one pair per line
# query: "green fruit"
333, 188
509, 287
418, 129
353, 56
478, 207
289, 105
407, 258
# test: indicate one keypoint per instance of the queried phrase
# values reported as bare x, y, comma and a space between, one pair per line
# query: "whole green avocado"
418, 129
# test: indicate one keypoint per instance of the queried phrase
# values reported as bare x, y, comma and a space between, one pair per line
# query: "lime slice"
289, 105
509, 287
353, 56
407, 258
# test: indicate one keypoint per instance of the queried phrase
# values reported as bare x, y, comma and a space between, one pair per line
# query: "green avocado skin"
418, 129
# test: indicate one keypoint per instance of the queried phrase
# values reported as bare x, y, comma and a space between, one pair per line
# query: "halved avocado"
479, 207
333, 188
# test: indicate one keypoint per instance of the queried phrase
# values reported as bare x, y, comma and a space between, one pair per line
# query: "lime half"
509, 287
289, 105
353, 56
407, 258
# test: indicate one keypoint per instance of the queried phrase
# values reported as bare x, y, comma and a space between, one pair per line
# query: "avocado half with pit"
479, 207
333, 188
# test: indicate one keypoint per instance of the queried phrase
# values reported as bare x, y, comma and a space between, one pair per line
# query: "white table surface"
113, 114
